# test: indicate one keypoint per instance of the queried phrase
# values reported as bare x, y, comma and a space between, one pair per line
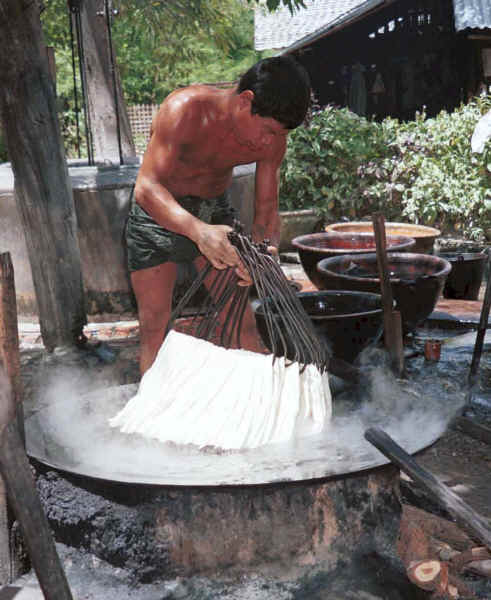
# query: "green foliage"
153, 63
422, 171
160, 46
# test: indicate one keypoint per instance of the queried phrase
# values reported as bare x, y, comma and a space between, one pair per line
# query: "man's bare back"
195, 143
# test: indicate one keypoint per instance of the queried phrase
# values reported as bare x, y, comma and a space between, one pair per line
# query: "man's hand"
214, 244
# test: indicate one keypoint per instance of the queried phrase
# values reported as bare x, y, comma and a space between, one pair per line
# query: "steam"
68, 428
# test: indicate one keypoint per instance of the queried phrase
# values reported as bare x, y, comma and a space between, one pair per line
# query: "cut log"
425, 574
474, 554
480, 567
465, 516
438, 528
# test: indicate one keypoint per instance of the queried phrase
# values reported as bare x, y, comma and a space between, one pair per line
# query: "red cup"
433, 349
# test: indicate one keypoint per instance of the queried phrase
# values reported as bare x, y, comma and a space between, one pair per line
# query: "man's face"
263, 132
255, 132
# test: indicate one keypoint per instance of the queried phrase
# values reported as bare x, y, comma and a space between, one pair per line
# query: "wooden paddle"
392, 318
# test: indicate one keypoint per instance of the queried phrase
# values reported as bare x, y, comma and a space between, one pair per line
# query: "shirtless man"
180, 211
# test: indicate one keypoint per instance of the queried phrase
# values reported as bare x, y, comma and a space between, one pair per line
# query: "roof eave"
341, 21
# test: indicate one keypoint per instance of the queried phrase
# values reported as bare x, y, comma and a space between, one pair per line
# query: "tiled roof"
475, 14
280, 28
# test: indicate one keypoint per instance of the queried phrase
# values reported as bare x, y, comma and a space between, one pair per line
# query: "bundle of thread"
201, 393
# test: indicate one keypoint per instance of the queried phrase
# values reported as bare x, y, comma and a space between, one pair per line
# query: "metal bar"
75, 90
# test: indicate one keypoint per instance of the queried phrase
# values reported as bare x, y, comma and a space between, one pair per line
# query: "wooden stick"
392, 319
474, 554
9, 334
460, 510
21, 489
481, 330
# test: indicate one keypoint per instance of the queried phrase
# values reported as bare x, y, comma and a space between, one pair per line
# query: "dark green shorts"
148, 244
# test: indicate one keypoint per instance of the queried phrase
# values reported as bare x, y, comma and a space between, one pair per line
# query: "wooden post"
10, 359
392, 318
16, 472
464, 515
481, 331
9, 334
43, 191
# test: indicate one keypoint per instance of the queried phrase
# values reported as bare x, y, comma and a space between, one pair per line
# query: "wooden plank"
465, 515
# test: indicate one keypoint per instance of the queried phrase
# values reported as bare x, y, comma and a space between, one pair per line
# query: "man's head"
281, 89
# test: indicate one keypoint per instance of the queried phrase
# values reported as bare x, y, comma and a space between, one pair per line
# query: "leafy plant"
422, 171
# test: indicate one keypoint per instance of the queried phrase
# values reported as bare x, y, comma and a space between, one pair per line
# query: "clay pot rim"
423, 230
462, 256
404, 242
402, 257
374, 311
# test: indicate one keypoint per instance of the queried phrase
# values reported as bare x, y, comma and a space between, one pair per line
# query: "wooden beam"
464, 515
21, 489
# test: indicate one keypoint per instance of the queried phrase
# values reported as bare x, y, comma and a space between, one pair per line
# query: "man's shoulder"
188, 97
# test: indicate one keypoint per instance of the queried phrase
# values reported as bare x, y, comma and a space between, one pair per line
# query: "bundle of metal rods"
290, 330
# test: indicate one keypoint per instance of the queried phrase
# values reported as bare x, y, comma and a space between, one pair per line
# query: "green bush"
422, 171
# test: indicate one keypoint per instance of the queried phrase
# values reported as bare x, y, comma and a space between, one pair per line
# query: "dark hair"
281, 89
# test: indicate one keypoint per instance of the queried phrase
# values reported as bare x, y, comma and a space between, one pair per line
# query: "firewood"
479, 567
425, 574
462, 512
438, 528
463, 591
442, 586
479, 553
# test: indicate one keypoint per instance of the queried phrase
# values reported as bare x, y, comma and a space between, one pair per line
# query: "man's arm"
175, 126
266, 218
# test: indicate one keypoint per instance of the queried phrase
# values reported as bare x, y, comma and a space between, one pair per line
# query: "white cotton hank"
199, 393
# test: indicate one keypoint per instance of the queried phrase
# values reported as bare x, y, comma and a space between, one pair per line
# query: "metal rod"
75, 89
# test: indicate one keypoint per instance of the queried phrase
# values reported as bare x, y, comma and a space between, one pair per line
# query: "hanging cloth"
357, 100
